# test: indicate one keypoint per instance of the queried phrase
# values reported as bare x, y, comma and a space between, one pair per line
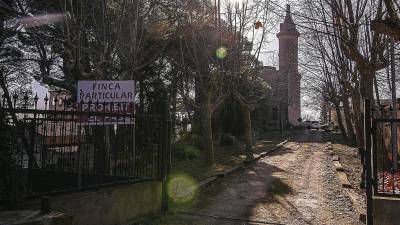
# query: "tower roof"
288, 17
288, 26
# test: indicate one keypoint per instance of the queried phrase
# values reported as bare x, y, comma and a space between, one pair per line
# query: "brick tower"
289, 68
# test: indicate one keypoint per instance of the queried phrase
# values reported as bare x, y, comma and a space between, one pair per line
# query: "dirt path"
294, 185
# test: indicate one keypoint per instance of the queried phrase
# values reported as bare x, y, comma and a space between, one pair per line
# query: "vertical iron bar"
32, 150
169, 140
53, 134
367, 140
103, 118
73, 141
87, 144
137, 151
63, 137
133, 120
374, 157
164, 152
125, 143
45, 130
115, 153
153, 155
43, 141
394, 102
382, 153
95, 138
160, 148
79, 152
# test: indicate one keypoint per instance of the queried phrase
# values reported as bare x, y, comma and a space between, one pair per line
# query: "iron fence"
66, 146
385, 151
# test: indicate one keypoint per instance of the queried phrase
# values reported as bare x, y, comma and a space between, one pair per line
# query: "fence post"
367, 143
79, 158
79, 155
31, 150
165, 153
394, 112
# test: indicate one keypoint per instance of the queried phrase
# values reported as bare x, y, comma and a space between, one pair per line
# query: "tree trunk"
206, 129
174, 91
340, 119
199, 101
367, 84
141, 98
347, 118
358, 120
248, 137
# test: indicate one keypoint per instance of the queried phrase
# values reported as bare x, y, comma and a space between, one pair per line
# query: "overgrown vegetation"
226, 157
345, 60
198, 55
9, 179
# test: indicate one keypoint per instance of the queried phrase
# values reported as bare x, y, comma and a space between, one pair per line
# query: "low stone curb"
338, 166
263, 154
212, 179
206, 182
347, 187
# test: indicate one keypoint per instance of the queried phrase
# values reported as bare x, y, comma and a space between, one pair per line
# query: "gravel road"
294, 185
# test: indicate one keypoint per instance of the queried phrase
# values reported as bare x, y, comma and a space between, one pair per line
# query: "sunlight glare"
221, 52
181, 188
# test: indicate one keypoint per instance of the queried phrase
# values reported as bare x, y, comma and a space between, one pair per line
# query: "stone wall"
111, 205
31, 217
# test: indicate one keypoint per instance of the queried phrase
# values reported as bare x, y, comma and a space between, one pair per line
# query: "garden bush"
227, 140
184, 151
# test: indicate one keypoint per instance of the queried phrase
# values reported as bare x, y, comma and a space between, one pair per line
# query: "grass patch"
225, 157
167, 219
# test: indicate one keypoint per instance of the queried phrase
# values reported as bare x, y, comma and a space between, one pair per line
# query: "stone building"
283, 107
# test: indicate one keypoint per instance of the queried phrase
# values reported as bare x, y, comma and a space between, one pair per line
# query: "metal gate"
63, 148
382, 153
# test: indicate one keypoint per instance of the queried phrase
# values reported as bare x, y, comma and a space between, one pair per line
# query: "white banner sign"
106, 91
106, 96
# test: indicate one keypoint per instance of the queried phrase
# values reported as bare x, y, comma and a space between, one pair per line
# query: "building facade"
284, 105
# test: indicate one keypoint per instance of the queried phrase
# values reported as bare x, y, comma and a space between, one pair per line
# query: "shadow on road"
262, 193
237, 195
319, 136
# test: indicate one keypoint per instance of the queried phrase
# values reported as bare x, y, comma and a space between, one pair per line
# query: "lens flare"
40, 20
181, 188
221, 52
